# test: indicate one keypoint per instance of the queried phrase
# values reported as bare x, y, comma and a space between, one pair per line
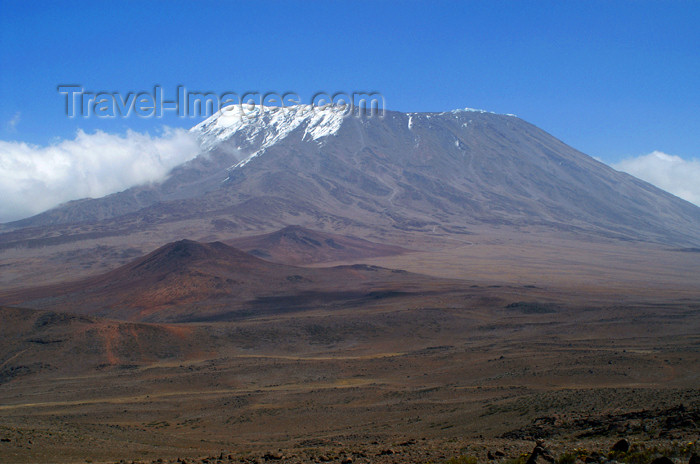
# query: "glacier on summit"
253, 128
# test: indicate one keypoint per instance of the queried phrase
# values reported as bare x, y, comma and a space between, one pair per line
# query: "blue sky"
614, 79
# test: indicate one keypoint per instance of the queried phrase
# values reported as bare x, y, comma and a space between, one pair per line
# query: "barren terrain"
485, 361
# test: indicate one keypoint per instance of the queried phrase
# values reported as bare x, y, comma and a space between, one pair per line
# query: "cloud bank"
34, 179
672, 173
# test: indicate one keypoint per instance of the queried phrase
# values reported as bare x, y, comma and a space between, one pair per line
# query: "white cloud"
34, 179
672, 173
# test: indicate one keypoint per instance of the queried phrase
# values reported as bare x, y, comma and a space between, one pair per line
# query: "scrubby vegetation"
464, 459
639, 453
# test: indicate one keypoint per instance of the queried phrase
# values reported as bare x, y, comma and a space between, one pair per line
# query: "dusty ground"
608, 347
447, 378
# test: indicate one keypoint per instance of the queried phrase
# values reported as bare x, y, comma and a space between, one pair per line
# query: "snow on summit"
259, 127
251, 129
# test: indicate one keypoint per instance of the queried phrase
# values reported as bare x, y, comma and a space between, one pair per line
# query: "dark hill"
297, 245
191, 281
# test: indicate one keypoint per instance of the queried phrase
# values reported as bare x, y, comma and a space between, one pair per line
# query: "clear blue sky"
611, 78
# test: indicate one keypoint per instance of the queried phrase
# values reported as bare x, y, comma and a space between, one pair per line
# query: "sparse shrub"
522, 459
690, 448
462, 460
567, 458
570, 457
640, 454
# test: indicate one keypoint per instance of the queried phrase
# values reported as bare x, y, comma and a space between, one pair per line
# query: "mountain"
407, 171
442, 170
389, 179
188, 281
297, 245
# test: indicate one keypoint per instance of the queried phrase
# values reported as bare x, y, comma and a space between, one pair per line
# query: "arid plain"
567, 340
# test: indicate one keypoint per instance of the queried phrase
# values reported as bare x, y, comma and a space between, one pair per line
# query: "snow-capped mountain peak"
253, 128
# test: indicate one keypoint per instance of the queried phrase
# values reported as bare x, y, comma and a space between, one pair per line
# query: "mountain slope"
453, 170
296, 245
417, 172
